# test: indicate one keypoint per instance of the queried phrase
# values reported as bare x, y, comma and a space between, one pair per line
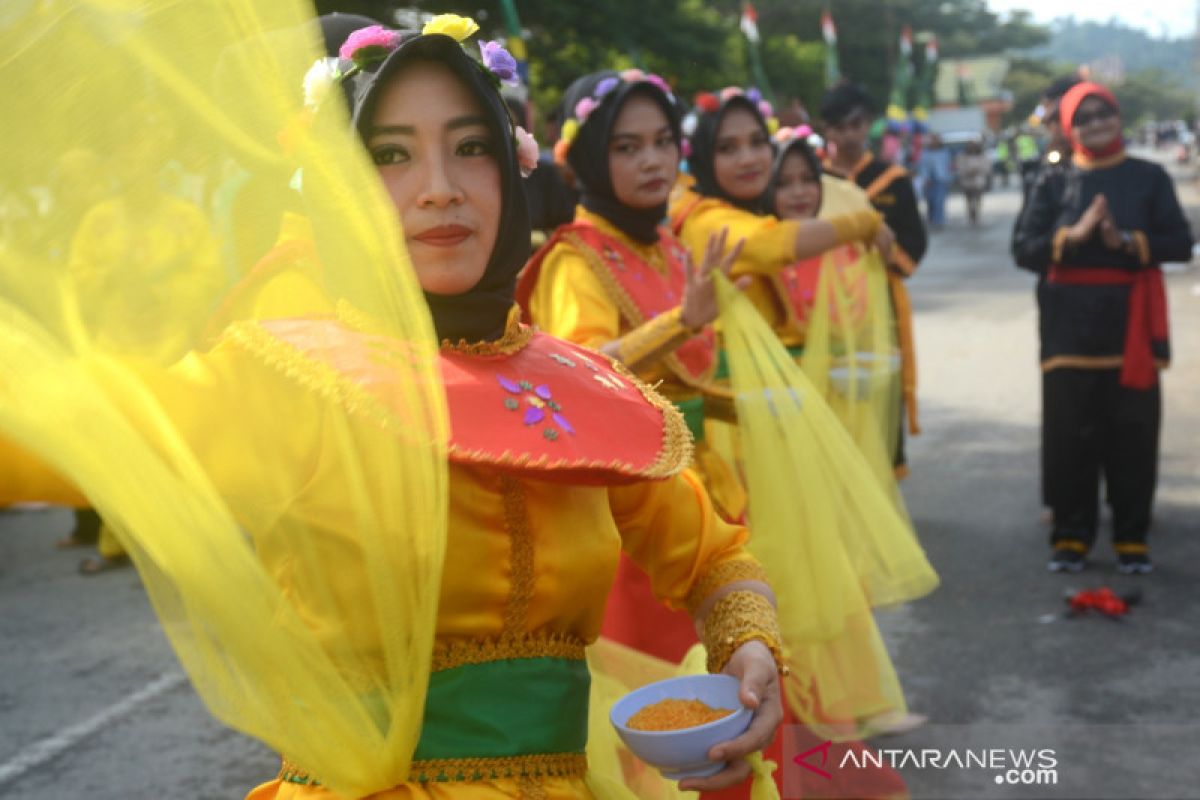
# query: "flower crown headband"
370, 45
584, 108
710, 103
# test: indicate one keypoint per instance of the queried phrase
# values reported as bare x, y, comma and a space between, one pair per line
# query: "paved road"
92, 703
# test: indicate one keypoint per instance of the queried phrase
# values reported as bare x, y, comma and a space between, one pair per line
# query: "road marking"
43, 750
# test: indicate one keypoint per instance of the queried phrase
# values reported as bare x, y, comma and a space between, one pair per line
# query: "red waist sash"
1147, 321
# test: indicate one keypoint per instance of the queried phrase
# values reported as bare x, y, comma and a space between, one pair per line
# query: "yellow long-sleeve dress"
768, 253
593, 284
559, 462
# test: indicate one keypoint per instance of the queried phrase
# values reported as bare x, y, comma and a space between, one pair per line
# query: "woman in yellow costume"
835, 309
388, 644
731, 156
617, 280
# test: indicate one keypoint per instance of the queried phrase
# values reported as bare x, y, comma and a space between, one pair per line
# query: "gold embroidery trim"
885, 179
676, 451
534, 765
633, 316
459, 653
313, 374
516, 525
737, 618
1073, 545
1131, 548
723, 574
516, 337
663, 333
1093, 362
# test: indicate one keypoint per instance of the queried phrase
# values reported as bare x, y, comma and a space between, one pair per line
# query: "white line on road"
44, 750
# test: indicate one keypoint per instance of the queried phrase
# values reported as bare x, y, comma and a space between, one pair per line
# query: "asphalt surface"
93, 704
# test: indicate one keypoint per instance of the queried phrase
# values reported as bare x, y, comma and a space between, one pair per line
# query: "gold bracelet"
654, 338
737, 618
859, 226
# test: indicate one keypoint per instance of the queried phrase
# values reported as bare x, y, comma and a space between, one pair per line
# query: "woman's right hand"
1082, 230
699, 306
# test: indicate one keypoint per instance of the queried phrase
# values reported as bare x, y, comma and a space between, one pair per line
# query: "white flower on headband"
319, 79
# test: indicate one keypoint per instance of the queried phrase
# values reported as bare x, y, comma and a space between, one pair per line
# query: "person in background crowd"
972, 170
847, 111
936, 173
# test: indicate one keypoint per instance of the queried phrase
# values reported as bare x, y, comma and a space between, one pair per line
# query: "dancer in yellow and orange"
414, 541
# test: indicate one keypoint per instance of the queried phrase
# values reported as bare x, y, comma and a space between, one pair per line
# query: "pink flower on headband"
765, 109
730, 92
685, 148
584, 109
631, 75
368, 44
659, 82
527, 151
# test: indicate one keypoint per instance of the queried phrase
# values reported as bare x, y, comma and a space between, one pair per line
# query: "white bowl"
683, 753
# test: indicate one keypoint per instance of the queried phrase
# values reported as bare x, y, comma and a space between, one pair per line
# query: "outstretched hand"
699, 291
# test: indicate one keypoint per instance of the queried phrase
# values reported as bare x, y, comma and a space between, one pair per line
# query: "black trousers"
1094, 429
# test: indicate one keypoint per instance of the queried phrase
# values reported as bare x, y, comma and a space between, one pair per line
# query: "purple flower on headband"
368, 44
605, 86
754, 95
499, 62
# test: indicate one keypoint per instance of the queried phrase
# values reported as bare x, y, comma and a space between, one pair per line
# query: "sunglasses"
1099, 115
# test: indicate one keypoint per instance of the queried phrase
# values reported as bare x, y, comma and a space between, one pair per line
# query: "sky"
1176, 18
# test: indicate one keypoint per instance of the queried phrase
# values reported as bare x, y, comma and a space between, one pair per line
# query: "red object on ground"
1103, 600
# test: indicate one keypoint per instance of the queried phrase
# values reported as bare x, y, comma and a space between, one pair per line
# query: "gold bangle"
654, 338
859, 226
737, 618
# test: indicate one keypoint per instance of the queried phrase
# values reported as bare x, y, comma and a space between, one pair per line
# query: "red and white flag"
749, 23
828, 30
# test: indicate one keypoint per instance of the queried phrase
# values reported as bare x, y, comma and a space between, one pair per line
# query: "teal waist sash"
506, 708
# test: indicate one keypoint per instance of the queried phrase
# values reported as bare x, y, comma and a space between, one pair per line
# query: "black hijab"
480, 313
797, 145
704, 152
588, 153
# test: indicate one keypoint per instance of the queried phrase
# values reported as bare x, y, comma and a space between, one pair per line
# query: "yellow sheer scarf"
819, 517
254, 493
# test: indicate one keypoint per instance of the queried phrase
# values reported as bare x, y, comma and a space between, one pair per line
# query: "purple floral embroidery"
537, 400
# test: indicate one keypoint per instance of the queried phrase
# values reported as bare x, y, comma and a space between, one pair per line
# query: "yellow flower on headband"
772, 124
569, 130
452, 25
